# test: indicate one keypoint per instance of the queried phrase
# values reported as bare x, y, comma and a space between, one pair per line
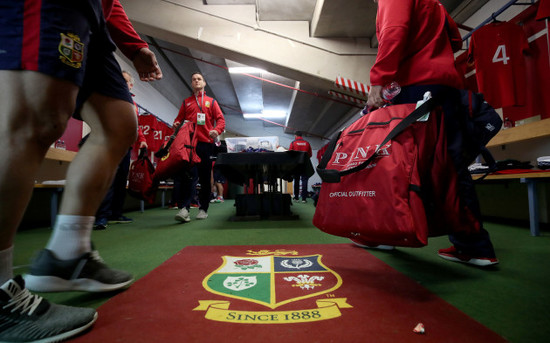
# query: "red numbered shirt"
148, 124
497, 50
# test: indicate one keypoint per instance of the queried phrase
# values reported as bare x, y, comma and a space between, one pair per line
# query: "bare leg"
68, 262
113, 130
35, 110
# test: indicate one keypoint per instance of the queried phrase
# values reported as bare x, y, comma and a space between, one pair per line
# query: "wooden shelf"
513, 176
60, 155
522, 133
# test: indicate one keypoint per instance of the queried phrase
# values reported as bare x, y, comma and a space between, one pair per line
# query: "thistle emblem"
297, 263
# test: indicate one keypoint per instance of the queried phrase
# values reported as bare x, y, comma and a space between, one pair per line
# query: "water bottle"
507, 123
389, 92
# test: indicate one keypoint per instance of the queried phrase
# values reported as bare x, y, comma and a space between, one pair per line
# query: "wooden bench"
55, 157
55, 193
60, 155
523, 133
531, 180
162, 188
65, 156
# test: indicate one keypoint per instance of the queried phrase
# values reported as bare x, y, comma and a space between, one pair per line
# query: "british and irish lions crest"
71, 50
273, 279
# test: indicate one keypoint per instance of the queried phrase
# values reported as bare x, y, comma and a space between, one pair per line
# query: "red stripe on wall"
31, 35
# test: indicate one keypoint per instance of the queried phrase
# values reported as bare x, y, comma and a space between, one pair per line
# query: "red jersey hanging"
544, 10
497, 50
148, 125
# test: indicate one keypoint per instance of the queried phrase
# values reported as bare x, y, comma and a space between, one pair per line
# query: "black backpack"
481, 125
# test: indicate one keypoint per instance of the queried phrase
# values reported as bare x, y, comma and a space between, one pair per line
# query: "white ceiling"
295, 80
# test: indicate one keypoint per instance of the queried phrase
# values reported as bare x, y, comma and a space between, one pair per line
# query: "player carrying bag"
387, 179
178, 154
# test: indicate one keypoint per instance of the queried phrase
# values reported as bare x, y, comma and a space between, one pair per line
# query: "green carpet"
511, 299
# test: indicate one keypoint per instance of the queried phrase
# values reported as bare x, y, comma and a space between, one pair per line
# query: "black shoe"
25, 317
86, 273
121, 220
100, 224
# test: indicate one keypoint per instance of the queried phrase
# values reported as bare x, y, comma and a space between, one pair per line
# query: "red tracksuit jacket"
415, 44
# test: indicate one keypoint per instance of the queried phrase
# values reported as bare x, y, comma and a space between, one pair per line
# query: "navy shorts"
65, 39
218, 176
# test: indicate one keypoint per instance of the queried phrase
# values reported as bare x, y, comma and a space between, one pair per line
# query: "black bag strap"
490, 161
164, 150
333, 176
142, 153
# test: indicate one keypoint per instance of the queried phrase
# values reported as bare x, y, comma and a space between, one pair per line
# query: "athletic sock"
6, 265
71, 236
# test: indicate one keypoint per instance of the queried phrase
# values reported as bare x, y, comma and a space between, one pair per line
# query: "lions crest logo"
272, 281
71, 50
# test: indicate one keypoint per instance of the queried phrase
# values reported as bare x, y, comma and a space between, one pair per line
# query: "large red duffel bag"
178, 154
140, 179
387, 179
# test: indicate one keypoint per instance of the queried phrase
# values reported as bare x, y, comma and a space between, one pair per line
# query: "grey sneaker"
25, 317
183, 216
202, 214
86, 273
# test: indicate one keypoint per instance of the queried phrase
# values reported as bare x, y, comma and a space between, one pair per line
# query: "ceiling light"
245, 70
265, 114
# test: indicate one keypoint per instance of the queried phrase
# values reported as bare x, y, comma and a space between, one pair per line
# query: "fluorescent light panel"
268, 114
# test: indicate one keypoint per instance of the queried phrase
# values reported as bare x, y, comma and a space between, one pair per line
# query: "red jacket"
121, 30
299, 144
214, 116
415, 44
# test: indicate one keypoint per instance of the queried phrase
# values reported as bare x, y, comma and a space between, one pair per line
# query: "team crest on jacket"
272, 281
71, 49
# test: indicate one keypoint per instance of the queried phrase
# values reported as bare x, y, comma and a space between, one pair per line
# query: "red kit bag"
178, 153
387, 179
140, 179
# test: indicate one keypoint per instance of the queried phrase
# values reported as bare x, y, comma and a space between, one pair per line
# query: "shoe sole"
48, 283
377, 247
119, 222
473, 261
63, 336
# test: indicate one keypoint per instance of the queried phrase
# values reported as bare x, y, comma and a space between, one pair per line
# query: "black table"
264, 167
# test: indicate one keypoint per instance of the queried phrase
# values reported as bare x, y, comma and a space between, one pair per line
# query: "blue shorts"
65, 39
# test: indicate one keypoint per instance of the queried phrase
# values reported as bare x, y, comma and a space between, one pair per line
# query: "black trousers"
204, 170
478, 244
113, 204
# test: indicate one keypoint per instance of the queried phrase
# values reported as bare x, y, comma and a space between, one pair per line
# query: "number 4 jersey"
497, 50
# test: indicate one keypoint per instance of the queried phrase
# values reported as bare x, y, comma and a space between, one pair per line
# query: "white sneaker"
202, 214
183, 216
362, 244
